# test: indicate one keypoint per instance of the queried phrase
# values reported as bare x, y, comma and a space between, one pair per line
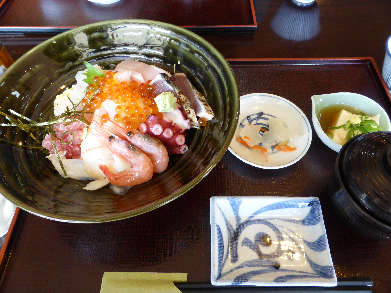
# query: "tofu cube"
343, 116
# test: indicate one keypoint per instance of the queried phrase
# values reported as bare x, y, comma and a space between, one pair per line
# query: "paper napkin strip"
7, 210
129, 282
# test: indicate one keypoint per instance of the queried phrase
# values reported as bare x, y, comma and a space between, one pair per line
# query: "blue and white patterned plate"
269, 241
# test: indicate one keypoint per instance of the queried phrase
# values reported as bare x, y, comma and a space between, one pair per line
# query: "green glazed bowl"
31, 83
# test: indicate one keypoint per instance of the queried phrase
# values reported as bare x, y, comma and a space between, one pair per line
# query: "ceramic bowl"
357, 101
362, 187
298, 127
30, 84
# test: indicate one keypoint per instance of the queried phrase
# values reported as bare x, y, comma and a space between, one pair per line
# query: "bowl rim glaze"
233, 90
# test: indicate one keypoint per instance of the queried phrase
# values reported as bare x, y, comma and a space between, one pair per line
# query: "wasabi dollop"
166, 102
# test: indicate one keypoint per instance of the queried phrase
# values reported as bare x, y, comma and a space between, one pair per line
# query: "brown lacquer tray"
51, 16
47, 256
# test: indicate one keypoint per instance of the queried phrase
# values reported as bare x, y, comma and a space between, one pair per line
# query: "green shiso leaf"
364, 126
92, 72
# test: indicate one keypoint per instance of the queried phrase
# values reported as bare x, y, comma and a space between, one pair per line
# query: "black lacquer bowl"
31, 83
363, 189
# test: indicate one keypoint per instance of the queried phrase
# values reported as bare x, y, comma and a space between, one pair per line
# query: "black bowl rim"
185, 188
342, 185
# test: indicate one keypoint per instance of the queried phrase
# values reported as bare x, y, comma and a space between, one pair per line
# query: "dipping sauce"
328, 115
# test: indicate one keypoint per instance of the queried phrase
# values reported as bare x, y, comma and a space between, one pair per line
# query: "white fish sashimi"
128, 76
149, 72
74, 168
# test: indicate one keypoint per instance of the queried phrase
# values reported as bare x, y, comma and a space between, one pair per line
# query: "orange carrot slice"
243, 142
258, 147
285, 148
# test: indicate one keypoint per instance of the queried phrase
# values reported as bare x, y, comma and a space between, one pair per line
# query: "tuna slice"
67, 139
198, 101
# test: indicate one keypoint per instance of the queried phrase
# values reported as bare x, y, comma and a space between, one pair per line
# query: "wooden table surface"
58, 257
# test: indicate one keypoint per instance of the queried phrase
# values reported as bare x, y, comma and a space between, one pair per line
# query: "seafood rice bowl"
113, 119
119, 126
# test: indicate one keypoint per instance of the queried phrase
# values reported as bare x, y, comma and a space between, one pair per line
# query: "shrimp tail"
126, 177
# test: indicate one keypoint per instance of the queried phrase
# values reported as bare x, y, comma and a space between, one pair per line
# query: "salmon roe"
134, 100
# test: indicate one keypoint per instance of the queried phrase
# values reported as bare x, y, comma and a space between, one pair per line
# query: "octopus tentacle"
172, 136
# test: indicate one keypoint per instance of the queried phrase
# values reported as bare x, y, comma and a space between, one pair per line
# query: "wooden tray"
49, 16
61, 257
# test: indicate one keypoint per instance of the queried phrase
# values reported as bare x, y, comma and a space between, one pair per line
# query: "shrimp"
151, 146
108, 156
140, 171
154, 149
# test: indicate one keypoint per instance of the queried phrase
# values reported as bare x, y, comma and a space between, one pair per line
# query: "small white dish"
7, 210
357, 101
269, 241
298, 127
